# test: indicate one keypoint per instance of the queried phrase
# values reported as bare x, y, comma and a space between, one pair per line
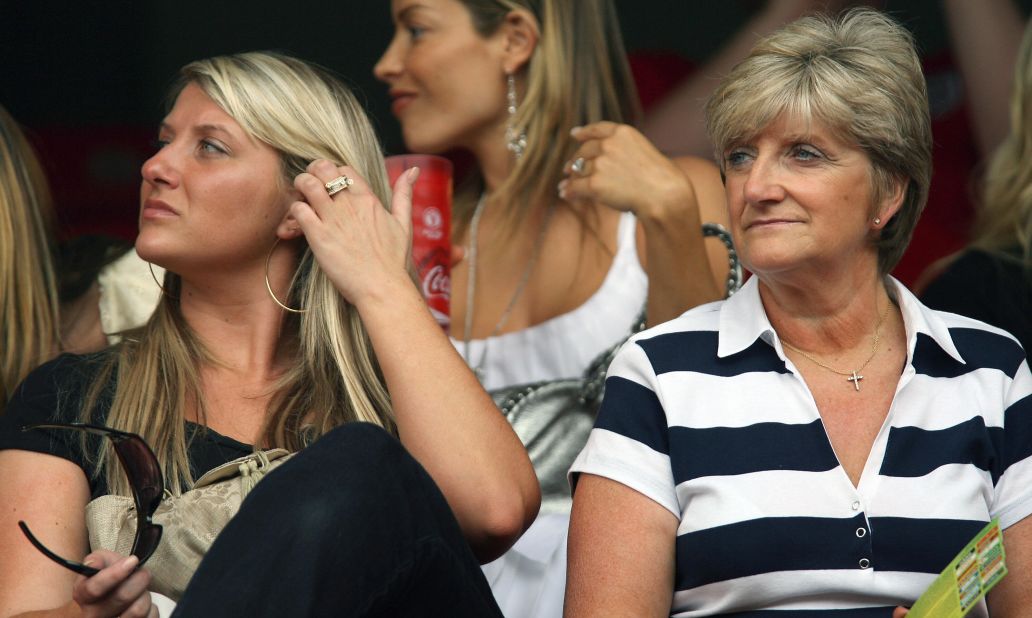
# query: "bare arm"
621, 552
985, 37
686, 270
677, 124
671, 199
50, 495
1012, 597
445, 418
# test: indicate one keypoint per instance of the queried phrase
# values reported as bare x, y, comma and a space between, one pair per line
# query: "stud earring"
516, 139
877, 221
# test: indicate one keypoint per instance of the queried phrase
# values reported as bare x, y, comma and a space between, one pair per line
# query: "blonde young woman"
287, 312
29, 323
992, 279
572, 224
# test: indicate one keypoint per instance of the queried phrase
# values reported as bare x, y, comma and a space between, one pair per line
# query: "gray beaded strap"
734, 270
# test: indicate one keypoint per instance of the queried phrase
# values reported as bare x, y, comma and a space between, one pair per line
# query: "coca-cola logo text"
437, 282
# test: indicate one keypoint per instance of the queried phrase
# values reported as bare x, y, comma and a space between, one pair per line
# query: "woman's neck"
236, 320
494, 160
830, 317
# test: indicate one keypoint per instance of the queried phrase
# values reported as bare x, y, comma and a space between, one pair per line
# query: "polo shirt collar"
743, 321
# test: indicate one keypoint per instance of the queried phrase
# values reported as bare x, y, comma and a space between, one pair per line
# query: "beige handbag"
190, 521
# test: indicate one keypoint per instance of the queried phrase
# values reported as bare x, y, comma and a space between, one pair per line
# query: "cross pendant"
855, 379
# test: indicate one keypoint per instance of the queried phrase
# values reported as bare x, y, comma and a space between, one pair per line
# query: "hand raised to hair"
619, 167
356, 241
119, 589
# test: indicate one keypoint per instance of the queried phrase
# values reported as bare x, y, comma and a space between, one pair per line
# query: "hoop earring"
515, 139
160, 287
268, 285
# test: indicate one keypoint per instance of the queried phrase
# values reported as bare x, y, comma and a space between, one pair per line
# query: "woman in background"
29, 312
992, 279
573, 225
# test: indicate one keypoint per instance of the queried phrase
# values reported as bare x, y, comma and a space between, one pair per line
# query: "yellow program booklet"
976, 569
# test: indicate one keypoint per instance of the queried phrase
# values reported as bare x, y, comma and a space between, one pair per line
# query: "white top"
128, 294
565, 345
707, 416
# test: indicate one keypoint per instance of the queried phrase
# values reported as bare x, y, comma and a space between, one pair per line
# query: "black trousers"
350, 526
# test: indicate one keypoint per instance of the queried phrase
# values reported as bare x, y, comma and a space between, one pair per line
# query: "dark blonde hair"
578, 74
29, 324
858, 74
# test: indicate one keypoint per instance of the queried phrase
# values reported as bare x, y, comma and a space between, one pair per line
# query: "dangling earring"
161, 287
268, 286
516, 140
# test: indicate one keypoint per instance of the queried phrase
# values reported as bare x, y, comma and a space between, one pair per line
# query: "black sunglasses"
147, 483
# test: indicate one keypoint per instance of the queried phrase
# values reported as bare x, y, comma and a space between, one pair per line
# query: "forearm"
449, 423
676, 262
985, 37
677, 123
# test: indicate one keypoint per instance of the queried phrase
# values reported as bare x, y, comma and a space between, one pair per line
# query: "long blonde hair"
1004, 218
29, 324
578, 74
305, 113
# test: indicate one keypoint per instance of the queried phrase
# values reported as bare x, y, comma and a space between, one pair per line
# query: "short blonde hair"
858, 74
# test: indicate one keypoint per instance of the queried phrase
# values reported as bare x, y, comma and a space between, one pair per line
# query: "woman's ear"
891, 202
289, 228
521, 33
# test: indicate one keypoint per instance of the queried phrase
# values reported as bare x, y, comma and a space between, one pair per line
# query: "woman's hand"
119, 589
357, 242
617, 166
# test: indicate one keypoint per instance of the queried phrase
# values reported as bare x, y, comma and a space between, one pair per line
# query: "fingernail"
575, 130
413, 174
130, 562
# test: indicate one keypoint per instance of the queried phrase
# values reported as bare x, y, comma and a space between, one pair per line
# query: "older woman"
289, 316
820, 441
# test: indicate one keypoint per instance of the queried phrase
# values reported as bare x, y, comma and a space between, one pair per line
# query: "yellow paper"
976, 569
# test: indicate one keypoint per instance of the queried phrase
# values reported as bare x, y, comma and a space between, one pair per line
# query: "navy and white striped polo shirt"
706, 416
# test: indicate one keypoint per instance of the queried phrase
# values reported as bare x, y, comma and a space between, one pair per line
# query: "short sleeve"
1013, 492
53, 392
630, 440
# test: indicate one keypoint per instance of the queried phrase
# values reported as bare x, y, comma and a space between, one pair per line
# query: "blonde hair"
577, 74
1004, 219
858, 74
305, 113
29, 324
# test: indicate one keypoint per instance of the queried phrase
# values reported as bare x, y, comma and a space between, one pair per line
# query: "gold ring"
338, 184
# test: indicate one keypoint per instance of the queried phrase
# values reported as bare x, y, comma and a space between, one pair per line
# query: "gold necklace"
853, 376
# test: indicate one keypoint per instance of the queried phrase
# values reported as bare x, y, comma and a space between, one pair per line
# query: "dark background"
87, 79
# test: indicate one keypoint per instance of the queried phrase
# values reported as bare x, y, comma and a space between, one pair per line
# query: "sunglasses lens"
141, 468
147, 538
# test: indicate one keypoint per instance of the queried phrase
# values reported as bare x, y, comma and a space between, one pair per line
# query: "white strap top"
563, 346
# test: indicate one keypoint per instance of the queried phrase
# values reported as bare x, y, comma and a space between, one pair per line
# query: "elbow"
503, 520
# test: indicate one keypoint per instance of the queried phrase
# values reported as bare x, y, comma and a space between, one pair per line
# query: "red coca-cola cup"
431, 227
